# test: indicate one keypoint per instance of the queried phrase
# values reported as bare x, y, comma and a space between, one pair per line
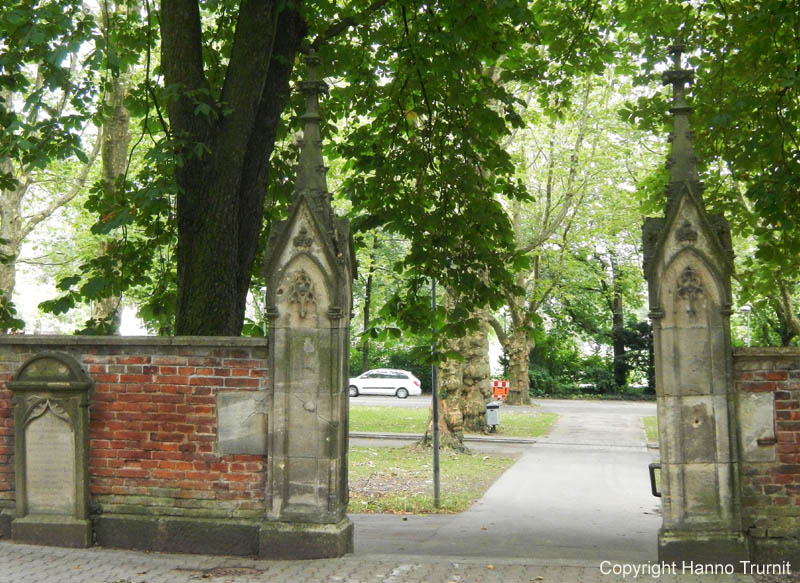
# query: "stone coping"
70, 340
774, 352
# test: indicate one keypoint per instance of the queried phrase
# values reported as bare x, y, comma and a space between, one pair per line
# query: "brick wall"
153, 423
771, 464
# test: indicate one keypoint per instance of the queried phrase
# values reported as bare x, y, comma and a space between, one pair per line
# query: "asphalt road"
578, 496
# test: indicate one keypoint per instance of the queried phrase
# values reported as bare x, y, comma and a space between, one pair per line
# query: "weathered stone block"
305, 541
756, 416
708, 547
54, 530
242, 422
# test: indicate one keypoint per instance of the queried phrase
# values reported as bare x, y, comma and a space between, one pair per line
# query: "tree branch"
182, 59
34, 220
339, 27
249, 63
792, 321
498, 329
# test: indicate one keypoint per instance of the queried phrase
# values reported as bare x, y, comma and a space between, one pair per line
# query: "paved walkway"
552, 518
580, 495
30, 564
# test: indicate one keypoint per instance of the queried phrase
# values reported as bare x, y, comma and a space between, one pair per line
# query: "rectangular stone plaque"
50, 465
242, 422
757, 421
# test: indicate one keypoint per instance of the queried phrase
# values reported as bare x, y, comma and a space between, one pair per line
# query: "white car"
385, 381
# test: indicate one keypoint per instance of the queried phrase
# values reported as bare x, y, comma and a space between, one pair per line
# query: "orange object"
500, 388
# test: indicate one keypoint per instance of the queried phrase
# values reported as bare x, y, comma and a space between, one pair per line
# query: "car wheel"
402, 393
353, 391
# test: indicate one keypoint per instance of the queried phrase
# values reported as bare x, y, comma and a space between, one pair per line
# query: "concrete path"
579, 496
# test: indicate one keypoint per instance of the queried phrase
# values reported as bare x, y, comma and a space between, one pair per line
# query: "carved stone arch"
302, 293
688, 278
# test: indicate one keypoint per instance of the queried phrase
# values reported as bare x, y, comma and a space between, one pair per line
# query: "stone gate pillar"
688, 266
309, 270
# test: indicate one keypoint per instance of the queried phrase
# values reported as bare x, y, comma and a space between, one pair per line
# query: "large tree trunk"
464, 387
11, 233
226, 158
451, 420
518, 348
618, 328
368, 305
475, 388
116, 138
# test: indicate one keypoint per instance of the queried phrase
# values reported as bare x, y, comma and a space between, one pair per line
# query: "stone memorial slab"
50, 465
51, 461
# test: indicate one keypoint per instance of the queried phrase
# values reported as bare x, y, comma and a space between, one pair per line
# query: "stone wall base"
52, 530
5, 524
768, 551
270, 540
726, 548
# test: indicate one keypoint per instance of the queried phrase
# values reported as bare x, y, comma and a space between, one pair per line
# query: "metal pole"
435, 403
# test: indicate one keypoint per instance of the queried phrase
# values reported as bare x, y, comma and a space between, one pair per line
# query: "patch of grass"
523, 424
400, 479
371, 419
651, 428
404, 420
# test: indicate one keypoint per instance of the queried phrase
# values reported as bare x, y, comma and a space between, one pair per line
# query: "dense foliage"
434, 113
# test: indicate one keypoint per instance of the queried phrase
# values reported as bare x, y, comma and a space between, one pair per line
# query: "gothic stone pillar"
308, 302
689, 282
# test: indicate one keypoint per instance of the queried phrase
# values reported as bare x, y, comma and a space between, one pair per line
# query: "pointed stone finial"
682, 163
311, 169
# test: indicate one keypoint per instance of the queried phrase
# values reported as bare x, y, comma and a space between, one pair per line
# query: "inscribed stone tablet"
50, 465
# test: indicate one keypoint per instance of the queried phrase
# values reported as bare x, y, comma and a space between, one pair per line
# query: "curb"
418, 436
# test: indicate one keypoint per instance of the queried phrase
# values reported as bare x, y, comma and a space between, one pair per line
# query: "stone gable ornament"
309, 268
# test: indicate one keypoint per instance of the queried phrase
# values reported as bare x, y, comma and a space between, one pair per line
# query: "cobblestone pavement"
33, 564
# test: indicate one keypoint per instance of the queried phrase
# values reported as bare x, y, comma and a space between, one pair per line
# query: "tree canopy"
424, 101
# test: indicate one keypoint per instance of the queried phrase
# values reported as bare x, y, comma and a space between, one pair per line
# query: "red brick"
206, 381
242, 383
167, 474
175, 465
241, 363
135, 378
759, 387
132, 473
130, 435
773, 375
237, 477
166, 436
169, 379
132, 360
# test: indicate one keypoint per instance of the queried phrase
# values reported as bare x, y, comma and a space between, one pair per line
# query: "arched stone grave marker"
51, 452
